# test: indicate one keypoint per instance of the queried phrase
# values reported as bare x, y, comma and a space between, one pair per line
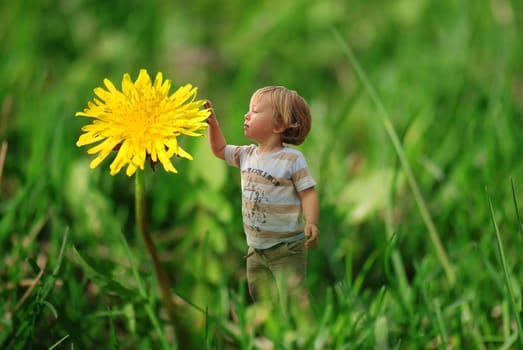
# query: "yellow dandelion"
141, 121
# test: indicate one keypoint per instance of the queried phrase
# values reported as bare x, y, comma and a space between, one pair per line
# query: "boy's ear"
278, 129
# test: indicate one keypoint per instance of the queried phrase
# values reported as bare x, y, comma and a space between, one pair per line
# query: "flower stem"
143, 227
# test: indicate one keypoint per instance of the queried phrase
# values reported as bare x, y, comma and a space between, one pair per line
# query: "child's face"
259, 125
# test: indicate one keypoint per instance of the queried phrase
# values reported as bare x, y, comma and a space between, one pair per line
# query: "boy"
277, 192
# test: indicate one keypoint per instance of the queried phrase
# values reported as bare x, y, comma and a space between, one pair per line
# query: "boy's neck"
269, 148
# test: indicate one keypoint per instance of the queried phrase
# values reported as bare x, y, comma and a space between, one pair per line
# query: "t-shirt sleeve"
232, 155
301, 176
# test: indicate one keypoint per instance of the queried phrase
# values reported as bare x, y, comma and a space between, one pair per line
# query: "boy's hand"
313, 236
212, 116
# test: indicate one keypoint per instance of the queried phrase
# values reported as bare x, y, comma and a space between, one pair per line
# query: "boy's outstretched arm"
311, 210
215, 135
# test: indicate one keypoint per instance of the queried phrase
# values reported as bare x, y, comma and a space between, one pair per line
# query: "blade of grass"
3, 152
441, 323
59, 342
54, 276
397, 261
381, 333
229, 328
427, 218
508, 281
29, 290
404, 292
516, 206
509, 342
113, 337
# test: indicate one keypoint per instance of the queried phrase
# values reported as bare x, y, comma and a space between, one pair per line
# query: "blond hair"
291, 112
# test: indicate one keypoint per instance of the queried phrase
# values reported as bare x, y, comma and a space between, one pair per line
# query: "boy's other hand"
312, 233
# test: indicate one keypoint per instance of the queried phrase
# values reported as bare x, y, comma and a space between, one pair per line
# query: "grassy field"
417, 129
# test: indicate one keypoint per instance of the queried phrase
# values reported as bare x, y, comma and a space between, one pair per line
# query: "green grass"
417, 110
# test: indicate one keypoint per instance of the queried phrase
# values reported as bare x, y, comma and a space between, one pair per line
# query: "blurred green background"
450, 76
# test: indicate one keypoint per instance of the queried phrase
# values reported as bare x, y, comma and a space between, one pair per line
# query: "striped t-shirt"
271, 206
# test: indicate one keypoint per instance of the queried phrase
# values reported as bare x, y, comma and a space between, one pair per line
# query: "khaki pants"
278, 273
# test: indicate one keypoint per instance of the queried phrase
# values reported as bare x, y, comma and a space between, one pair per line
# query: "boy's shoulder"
289, 154
240, 150
293, 151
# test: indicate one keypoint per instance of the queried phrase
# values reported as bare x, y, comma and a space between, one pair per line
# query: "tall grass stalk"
427, 218
503, 261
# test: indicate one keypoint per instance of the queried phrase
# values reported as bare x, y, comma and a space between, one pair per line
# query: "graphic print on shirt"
256, 196
263, 174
